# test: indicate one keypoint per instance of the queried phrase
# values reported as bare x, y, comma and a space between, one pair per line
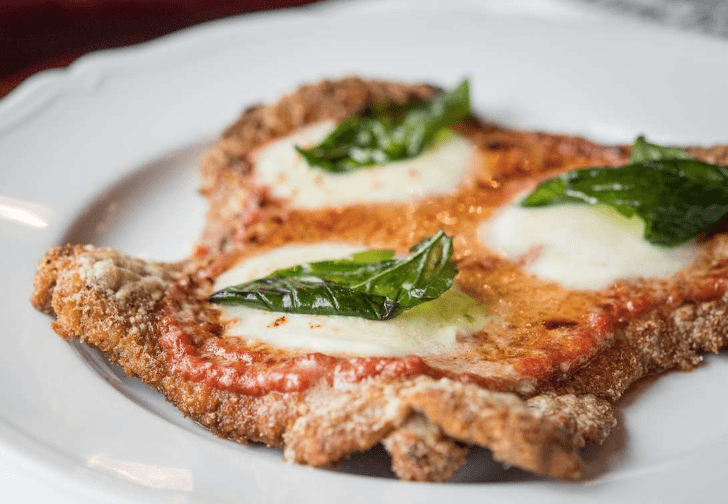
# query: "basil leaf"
307, 295
677, 197
388, 132
643, 151
372, 284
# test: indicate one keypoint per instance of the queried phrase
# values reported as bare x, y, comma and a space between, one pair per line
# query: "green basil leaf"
388, 132
677, 197
371, 284
643, 151
309, 296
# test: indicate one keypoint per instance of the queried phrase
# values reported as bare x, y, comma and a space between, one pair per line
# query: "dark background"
35, 35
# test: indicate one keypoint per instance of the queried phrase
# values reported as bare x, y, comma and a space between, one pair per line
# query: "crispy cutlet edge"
660, 340
111, 302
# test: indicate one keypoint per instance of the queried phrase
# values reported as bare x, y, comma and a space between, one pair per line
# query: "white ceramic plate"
106, 151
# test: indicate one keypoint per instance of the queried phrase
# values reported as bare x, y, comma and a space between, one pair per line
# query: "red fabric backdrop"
36, 34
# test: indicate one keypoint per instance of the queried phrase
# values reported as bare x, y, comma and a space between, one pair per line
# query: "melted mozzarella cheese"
438, 170
429, 328
579, 246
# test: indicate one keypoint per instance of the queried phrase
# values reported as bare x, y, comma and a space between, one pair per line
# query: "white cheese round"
429, 328
580, 246
438, 170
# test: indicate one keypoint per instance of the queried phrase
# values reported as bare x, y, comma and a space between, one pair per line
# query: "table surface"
40, 34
